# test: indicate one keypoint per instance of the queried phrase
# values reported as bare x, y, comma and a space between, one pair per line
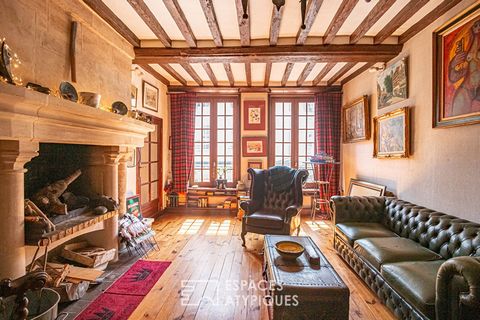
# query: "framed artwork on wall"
391, 137
356, 120
255, 164
254, 115
392, 84
133, 96
132, 160
254, 146
456, 71
150, 96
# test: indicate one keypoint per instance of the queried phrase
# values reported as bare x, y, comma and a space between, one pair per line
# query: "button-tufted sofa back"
447, 235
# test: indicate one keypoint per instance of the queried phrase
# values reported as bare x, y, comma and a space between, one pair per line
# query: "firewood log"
36, 210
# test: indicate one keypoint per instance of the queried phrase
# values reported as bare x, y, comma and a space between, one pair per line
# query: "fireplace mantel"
27, 115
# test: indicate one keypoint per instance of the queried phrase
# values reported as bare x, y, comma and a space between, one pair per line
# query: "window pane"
197, 162
221, 122
221, 108
279, 122
278, 161
278, 149
278, 109
230, 175
310, 122
206, 175
287, 136
287, 109
302, 122
198, 135
198, 176
206, 135
221, 148
206, 108
198, 149
198, 122
198, 109
302, 149
220, 135
278, 135
287, 162
311, 108
206, 162
302, 136
310, 149
229, 122
206, 121
206, 149
302, 108
287, 149
229, 149
229, 108
311, 136
287, 122
229, 135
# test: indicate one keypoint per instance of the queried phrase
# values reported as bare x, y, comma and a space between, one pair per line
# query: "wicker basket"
69, 253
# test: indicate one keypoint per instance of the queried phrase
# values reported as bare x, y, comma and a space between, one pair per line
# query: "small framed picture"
133, 96
254, 164
150, 96
132, 160
254, 146
356, 121
392, 134
254, 115
392, 84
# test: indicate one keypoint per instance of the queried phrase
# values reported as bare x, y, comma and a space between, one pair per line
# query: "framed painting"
361, 188
254, 164
133, 96
150, 96
254, 115
391, 138
456, 71
392, 84
254, 146
356, 121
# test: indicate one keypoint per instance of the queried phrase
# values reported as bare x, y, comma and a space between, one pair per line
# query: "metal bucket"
42, 305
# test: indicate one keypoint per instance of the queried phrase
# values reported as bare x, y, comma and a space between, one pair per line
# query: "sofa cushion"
266, 219
378, 251
415, 281
351, 231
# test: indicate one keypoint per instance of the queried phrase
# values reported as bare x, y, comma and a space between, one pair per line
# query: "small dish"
289, 250
68, 91
120, 108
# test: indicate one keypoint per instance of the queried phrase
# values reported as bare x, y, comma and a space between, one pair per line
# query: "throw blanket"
281, 178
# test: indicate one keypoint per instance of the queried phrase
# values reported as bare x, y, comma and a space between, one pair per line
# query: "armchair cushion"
352, 231
266, 219
415, 281
379, 251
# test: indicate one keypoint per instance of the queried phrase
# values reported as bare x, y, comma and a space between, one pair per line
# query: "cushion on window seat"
378, 251
352, 231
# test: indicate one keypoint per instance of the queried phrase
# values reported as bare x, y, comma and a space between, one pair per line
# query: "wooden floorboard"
208, 260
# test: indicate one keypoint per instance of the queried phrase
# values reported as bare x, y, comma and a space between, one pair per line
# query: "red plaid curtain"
328, 134
182, 114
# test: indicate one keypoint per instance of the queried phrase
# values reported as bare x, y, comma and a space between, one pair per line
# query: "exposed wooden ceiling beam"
210, 73
329, 66
179, 17
248, 73
275, 24
268, 71
312, 10
406, 13
228, 70
209, 11
433, 15
306, 71
286, 74
376, 13
243, 24
342, 14
192, 73
239, 89
358, 72
106, 14
174, 73
262, 54
340, 73
151, 21
155, 73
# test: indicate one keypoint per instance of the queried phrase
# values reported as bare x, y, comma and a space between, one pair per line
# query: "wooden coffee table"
301, 290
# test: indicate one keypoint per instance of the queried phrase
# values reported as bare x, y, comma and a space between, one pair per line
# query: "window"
293, 129
215, 152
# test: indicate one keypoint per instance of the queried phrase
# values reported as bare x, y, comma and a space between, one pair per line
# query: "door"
149, 171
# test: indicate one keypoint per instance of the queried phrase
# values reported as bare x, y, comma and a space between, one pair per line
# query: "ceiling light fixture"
278, 4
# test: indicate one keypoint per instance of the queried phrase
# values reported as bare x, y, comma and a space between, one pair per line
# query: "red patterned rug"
120, 300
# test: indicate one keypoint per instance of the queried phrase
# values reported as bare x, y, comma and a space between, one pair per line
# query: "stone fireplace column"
13, 156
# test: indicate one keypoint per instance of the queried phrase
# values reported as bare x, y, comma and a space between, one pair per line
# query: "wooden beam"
179, 17
154, 73
312, 11
433, 15
373, 16
306, 71
243, 24
275, 24
100, 8
210, 73
228, 70
286, 74
151, 21
329, 66
192, 73
358, 72
209, 11
248, 73
262, 54
342, 14
268, 71
239, 89
340, 73
406, 13
174, 73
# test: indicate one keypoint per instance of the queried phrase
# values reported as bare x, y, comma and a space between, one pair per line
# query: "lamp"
278, 4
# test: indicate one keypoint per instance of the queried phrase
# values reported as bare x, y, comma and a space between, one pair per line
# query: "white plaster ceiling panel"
291, 19
260, 18
200, 71
324, 17
349, 72
432, 4
196, 19
296, 72
226, 13
258, 73
238, 70
164, 18
164, 73
184, 74
358, 14
278, 69
315, 71
132, 20
387, 17
219, 72
334, 71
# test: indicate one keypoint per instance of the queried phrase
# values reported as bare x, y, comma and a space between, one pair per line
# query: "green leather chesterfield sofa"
422, 264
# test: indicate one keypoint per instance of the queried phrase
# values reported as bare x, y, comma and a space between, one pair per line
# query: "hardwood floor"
209, 264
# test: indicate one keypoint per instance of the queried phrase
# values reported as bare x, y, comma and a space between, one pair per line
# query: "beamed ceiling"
207, 43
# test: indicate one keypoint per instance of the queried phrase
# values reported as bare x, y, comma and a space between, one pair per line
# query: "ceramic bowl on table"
289, 250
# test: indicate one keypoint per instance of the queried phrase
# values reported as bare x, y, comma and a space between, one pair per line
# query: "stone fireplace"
31, 122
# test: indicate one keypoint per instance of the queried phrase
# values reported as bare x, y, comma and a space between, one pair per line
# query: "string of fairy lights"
9, 64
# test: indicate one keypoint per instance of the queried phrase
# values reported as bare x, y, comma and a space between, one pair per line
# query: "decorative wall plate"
120, 108
5, 63
68, 91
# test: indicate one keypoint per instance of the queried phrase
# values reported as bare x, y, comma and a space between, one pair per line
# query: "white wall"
444, 171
